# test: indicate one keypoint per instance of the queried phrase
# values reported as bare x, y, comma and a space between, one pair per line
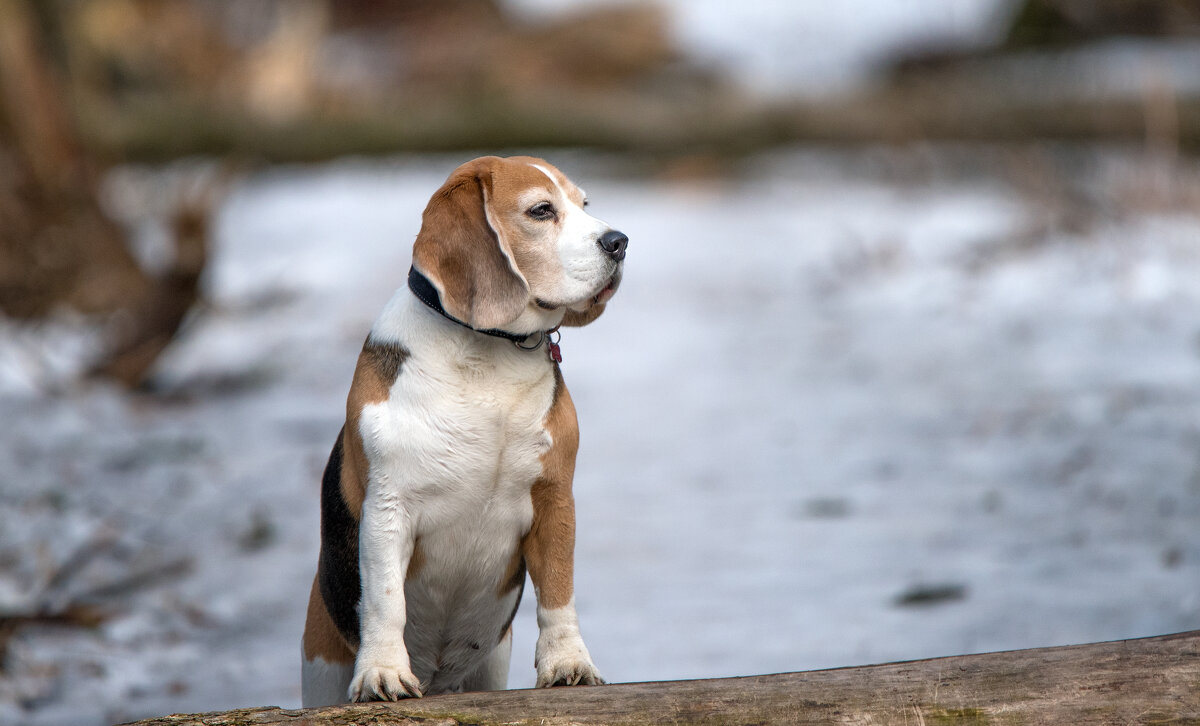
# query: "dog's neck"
423, 289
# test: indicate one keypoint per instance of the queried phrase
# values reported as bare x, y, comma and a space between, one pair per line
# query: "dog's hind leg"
327, 663
324, 684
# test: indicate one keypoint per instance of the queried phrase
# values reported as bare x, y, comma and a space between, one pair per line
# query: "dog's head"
508, 245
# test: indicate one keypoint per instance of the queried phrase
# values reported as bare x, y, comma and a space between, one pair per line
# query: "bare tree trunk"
56, 246
33, 101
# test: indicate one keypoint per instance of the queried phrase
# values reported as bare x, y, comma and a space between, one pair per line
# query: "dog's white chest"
459, 437
462, 431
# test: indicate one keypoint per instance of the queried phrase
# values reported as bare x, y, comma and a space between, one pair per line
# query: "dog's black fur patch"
386, 357
337, 569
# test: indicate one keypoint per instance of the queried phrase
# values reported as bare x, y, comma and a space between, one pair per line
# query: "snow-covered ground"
848, 407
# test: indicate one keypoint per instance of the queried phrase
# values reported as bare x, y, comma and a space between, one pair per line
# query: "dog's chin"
605, 294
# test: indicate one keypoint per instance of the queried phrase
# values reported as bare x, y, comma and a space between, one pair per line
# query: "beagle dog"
451, 477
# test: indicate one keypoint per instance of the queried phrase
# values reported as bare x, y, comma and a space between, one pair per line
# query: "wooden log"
1145, 681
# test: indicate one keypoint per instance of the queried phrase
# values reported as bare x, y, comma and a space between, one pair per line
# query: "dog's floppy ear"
464, 258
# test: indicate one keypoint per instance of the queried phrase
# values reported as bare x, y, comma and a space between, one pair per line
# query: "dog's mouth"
602, 296
607, 291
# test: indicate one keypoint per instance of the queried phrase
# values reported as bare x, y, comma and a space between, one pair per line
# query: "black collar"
428, 294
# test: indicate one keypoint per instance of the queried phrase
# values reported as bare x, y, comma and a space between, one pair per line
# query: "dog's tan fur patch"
550, 545
321, 637
378, 366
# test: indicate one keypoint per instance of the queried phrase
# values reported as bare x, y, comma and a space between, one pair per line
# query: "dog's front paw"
567, 665
568, 673
383, 683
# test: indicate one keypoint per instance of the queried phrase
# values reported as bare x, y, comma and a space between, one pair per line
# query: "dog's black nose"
613, 243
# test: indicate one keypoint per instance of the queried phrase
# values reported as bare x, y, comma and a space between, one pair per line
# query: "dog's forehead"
521, 177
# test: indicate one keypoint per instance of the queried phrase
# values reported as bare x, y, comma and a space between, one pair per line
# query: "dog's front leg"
385, 545
560, 657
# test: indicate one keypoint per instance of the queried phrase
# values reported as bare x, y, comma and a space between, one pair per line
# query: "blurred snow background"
777, 47
850, 406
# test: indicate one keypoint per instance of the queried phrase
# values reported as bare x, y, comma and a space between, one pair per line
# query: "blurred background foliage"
86, 84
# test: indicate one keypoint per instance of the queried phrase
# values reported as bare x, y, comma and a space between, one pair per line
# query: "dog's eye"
543, 211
